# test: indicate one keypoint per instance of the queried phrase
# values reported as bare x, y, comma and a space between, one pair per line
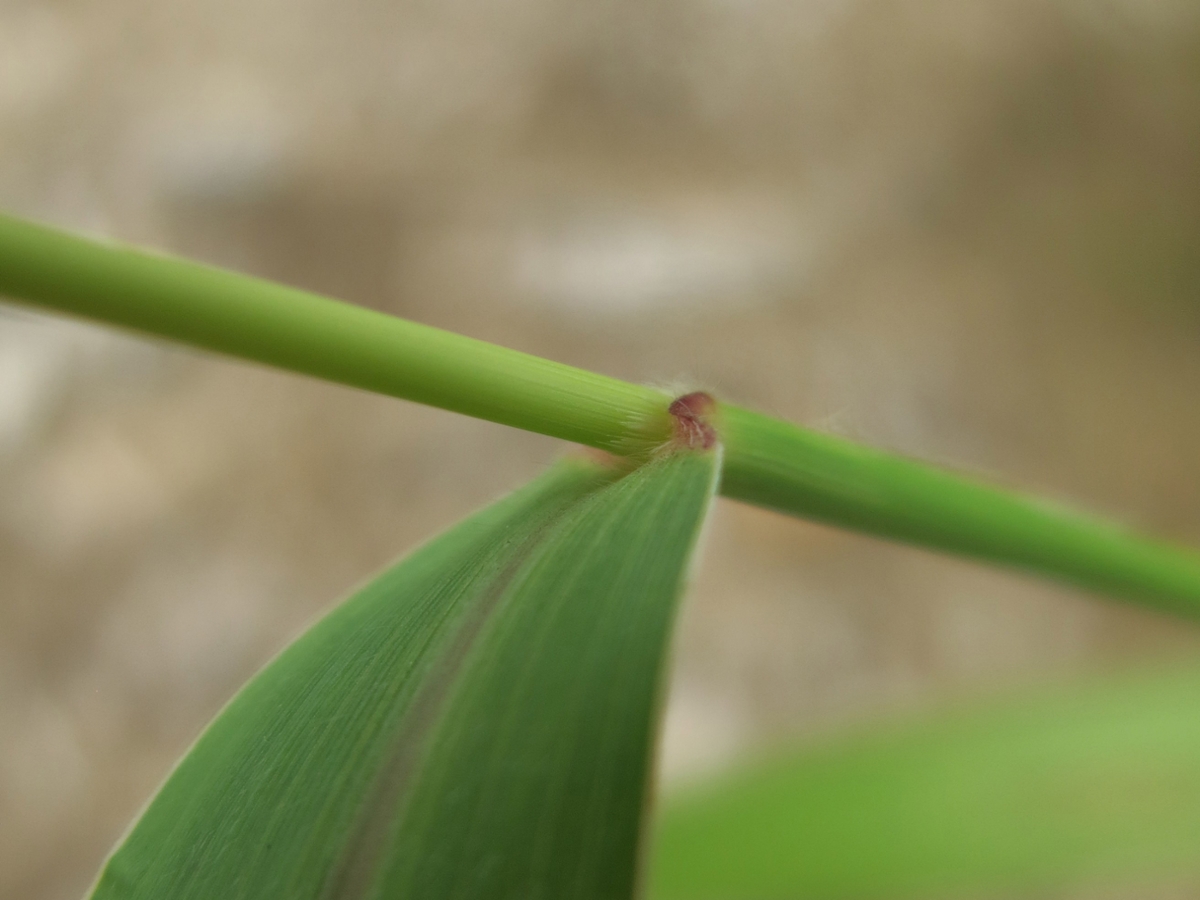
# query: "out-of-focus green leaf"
477, 722
1095, 785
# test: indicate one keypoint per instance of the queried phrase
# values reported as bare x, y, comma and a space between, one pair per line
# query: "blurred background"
962, 230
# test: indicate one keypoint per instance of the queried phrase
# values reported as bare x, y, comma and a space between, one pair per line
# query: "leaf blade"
1096, 783
275, 799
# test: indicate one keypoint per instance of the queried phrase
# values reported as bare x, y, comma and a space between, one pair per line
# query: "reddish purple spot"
692, 428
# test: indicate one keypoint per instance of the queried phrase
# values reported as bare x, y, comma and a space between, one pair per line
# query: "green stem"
778, 465
296, 330
767, 462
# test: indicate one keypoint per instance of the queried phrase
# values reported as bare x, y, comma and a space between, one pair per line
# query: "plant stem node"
691, 418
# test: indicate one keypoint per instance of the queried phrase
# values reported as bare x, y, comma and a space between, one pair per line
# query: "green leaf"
476, 722
1099, 784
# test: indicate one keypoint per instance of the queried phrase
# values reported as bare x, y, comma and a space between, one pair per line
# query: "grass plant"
479, 720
